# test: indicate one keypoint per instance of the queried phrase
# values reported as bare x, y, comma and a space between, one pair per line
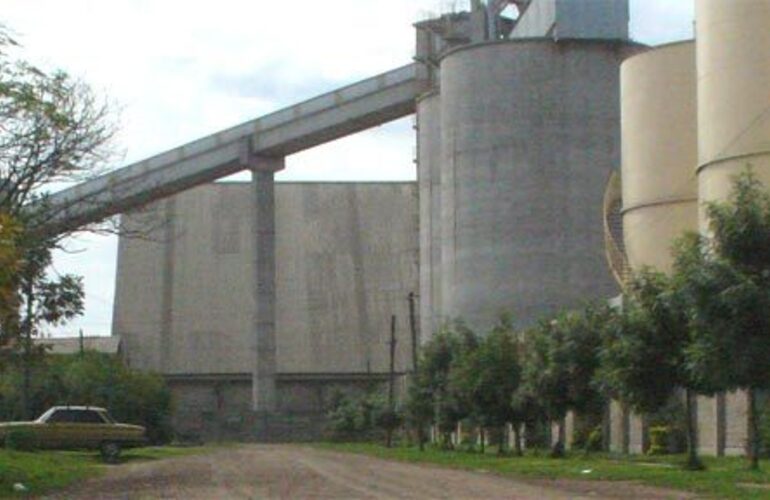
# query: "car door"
57, 430
90, 429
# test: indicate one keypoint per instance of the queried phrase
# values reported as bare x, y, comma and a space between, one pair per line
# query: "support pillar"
264, 346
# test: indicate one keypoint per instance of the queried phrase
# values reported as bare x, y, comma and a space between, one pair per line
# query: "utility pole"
391, 380
413, 329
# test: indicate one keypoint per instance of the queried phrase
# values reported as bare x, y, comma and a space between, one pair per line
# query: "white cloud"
183, 69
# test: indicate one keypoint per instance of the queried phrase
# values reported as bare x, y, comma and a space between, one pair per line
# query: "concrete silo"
659, 138
733, 78
529, 136
733, 98
659, 185
429, 175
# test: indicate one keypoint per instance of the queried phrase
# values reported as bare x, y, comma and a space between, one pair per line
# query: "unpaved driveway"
270, 471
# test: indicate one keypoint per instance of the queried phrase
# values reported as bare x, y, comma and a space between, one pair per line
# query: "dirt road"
268, 471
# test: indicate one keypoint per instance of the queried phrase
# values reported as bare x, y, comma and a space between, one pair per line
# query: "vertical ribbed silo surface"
659, 137
733, 58
529, 135
429, 179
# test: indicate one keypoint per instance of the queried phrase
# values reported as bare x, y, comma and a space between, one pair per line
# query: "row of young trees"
703, 328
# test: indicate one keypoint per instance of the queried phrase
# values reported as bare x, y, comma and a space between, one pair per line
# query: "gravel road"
289, 472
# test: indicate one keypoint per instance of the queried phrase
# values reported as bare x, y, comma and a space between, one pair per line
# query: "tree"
488, 377
52, 130
560, 361
726, 278
9, 264
438, 358
642, 359
91, 379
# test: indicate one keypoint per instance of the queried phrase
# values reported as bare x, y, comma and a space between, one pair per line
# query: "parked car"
79, 427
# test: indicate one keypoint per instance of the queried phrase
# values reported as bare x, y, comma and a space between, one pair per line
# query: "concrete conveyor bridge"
260, 145
345, 111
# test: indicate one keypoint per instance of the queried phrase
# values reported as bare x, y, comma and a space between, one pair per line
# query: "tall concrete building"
346, 260
693, 114
517, 136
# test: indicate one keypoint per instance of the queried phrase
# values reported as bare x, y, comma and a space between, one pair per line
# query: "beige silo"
733, 92
659, 150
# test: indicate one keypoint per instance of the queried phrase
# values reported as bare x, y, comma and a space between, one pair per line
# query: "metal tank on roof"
529, 135
733, 97
659, 137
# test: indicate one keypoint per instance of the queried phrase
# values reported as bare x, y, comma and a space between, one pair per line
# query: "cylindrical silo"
733, 92
529, 134
659, 144
429, 180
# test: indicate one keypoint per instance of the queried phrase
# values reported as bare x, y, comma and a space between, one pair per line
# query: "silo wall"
733, 97
659, 145
429, 182
733, 78
529, 134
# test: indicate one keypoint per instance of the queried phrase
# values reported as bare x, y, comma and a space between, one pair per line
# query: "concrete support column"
264, 355
619, 428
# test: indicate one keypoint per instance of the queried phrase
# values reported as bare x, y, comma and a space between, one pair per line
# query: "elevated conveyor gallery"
345, 111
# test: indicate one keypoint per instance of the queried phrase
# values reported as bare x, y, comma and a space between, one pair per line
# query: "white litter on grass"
19, 487
586, 471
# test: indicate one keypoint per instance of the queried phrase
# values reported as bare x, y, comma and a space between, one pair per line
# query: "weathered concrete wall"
346, 259
529, 135
619, 428
218, 407
659, 136
429, 180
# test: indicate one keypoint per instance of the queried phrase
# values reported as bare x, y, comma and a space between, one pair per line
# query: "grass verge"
46, 471
724, 478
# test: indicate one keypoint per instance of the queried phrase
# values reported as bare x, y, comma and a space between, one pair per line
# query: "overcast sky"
178, 70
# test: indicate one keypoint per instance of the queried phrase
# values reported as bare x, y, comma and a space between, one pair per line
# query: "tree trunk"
483, 439
26, 398
693, 462
558, 451
503, 438
517, 439
420, 436
754, 437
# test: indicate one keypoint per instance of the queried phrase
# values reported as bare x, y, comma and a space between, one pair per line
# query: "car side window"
88, 417
60, 417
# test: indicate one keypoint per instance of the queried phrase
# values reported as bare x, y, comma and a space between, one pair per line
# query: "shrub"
21, 440
659, 439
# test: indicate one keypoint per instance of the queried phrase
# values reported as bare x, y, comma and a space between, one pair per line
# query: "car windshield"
107, 417
44, 416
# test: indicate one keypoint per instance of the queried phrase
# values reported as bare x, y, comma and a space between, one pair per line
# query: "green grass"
45, 471
724, 478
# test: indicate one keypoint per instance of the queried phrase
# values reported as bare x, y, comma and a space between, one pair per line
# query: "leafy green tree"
432, 382
54, 130
726, 278
419, 406
488, 377
559, 365
642, 359
91, 379
9, 265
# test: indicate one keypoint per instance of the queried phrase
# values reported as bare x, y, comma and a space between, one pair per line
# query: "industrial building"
346, 260
518, 130
257, 300
694, 114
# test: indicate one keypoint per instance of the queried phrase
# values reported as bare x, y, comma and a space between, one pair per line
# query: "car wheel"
110, 451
